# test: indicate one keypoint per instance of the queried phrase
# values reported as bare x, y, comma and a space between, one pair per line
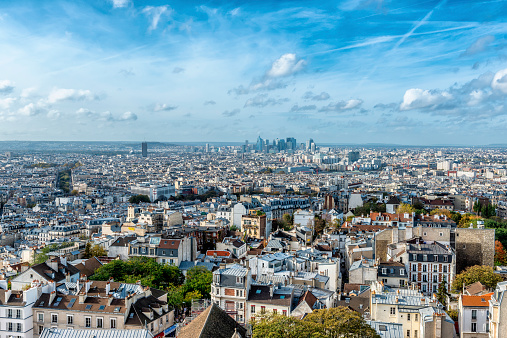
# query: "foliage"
370, 206
456, 217
64, 180
288, 218
442, 212
405, 208
42, 256
233, 228
477, 273
95, 251
466, 219
43, 165
453, 314
442, 293
136, 199
74, 192
500, 256
333, 322
485, 210
145, 269
199, 279
260, 213
320, 225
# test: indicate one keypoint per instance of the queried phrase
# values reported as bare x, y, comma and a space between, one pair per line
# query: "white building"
473, 316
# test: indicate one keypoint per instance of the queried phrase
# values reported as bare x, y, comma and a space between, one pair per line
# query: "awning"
170, 329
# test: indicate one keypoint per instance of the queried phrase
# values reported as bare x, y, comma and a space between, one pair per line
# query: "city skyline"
352, 72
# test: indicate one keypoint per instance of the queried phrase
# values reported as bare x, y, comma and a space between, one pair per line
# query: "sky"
354, 71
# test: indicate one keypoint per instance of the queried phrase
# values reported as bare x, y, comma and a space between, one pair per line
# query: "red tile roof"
475, 301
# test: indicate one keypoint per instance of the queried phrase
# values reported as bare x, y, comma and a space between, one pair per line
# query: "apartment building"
104, 305
254, 225
474, 316
230, 289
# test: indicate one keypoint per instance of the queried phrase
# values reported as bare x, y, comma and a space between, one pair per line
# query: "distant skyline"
340, 72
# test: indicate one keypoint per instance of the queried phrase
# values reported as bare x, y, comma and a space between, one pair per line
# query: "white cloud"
316, 97
163, 107
262, 100
154, 13
231, 113
342, 105
27, 92
53, 114
500, 81
286, 65
128, 116
416, 98
120, 3
63, 94
7, 102
480, 45
6, 86
31, 109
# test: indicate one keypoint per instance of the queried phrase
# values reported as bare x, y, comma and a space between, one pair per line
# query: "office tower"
353, 156
259, 145
207, 147
312, 147
144, 147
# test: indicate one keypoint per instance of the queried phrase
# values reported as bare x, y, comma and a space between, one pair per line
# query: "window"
414, 267
384, 271
54, 318
425, 278
435, 258
41, 328
435, 268
88, 321
113, 323
263, 309
402, 272
425, 258
416, 315
408, 316
435, 279
9, 313
18, 314
100, 322
70, 319
252, 309
414, 257
393, 311
424, 268
474, 314
445, 258
408, 333
19, 327
445, 268
40, 317
284, 312
9, 326
415, 333
474, 327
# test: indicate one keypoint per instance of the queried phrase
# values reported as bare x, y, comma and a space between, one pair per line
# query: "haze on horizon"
355, 71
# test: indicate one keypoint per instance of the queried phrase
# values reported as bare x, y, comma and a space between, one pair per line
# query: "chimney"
82, 297
87, 285
52, 296
108, 287
109, 300
67, 277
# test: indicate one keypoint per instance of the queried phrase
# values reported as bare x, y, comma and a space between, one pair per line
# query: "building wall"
474, 247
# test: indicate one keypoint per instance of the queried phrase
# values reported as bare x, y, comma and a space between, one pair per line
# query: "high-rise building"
353, 156
144, 147
207, 147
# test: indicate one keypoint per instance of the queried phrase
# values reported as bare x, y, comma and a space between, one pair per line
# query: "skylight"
88, 307
102, 307
258, 291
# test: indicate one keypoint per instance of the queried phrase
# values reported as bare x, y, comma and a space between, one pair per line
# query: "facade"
474, 316
392, 274
154, 191
166, 250
498, 311
230, 289
54, 269
104, 305
16, 311
254, 225
144, 149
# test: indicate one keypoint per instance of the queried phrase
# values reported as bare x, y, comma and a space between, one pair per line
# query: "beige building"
103, 305
254, 225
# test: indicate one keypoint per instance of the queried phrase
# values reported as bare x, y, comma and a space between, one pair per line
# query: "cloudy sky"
357, 71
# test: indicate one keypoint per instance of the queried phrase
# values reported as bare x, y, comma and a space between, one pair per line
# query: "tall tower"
144, 147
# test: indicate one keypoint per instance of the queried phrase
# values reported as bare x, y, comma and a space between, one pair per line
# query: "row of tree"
170, 278
338, 322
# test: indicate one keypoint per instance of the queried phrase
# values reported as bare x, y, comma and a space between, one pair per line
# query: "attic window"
165, 242
117, 309
172, 243
282, 297
258, 291
131, 315
88, 307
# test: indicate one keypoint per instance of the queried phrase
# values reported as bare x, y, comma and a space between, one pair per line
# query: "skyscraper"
144, 147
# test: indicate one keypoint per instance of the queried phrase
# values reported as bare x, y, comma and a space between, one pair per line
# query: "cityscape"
253, 169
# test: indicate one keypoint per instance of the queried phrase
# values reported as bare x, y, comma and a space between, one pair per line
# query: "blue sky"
357, 71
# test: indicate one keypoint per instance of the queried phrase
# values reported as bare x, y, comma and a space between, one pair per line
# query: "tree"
136, 199
97, 251
466, 219
442, 293
288, 219
477, 273
441, 212
88, 250
199, 279
320, 225
405, 208
499, 253
334, 323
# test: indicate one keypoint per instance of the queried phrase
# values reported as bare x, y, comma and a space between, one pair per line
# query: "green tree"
88, 250
333, 323
442, 293
477, 273
199, 279
43, 255
288, 219
97, 251
136, 199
